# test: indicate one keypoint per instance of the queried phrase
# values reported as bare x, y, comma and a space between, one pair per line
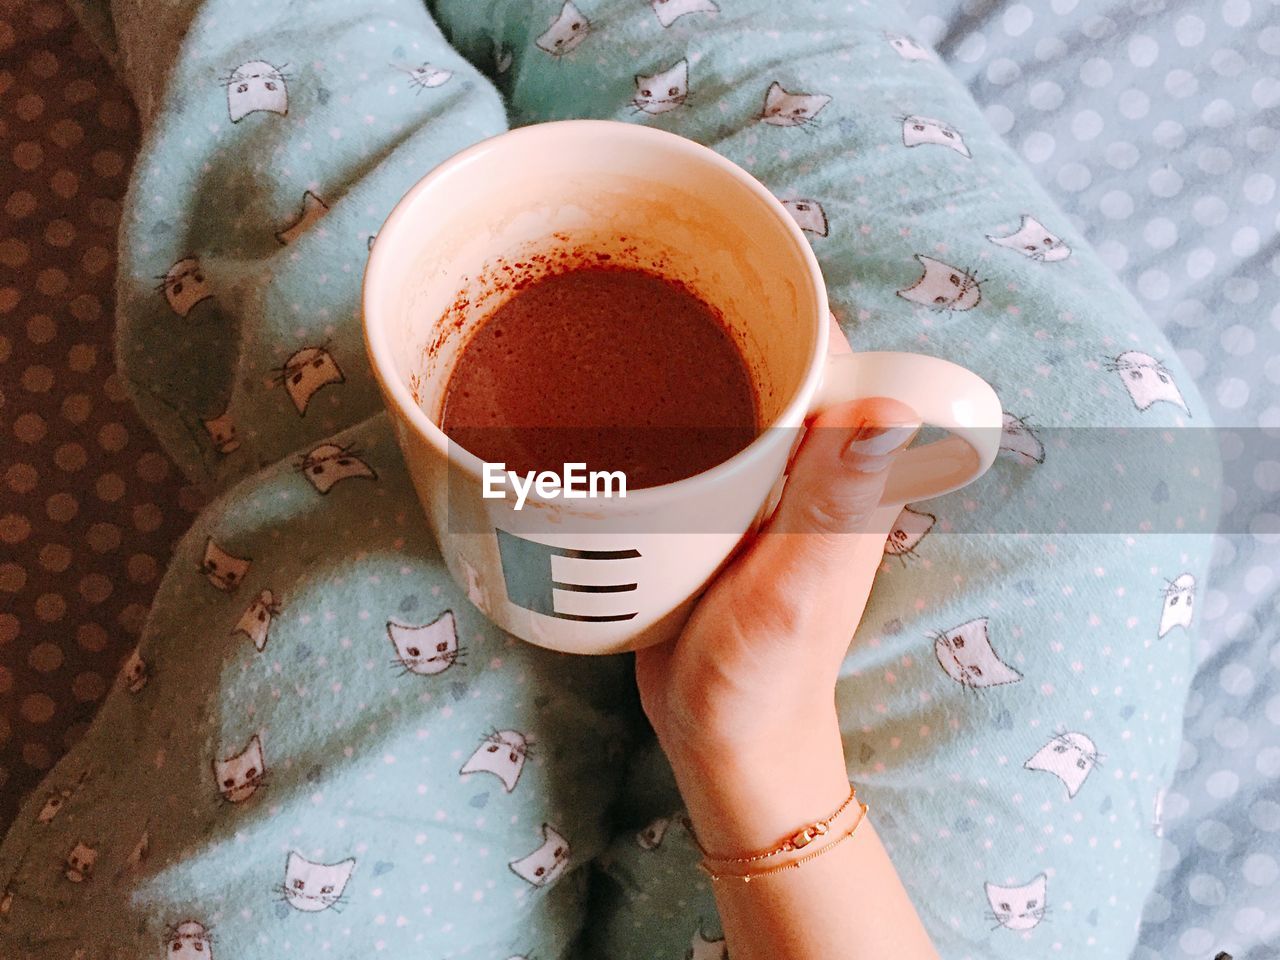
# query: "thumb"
819, 533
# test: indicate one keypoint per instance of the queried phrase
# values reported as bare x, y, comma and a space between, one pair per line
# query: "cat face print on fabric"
908, 530
55, 801
426, 650
305, 372
80, 862
313, 208
1018, 908
669, 11
256, 85
1070, 757
943, 287
134, 674
222, 433
501, 753
52, 806
664, 91
184, 286
966, 654
240, 775
327, 464
1019, 441
222, 569
1179, 596
255, 622
566, 32
312, 887
651, 837
908, 48
544, 865
808, 215
784, 109
702, 947
1146, 379
919, 131
1034, 242
426, 76
189, 940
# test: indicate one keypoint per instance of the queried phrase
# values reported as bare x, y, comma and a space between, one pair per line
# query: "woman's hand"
743, 701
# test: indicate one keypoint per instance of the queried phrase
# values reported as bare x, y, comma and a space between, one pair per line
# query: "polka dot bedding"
1155, 124
89, 505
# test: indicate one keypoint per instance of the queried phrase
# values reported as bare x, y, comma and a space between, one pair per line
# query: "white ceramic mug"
603, 576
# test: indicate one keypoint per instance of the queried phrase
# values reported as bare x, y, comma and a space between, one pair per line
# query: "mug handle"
944, 395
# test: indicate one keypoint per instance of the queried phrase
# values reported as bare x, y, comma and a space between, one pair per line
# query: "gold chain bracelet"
791, 865
798, 840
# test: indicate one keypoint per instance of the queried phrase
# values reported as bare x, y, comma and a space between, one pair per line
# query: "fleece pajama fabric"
320, 748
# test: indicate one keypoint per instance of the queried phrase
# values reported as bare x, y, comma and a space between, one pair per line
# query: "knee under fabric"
320, 746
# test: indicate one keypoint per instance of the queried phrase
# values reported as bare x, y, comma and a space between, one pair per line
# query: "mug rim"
402, 216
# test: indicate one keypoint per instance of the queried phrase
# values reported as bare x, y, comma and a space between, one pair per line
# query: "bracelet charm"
808, 835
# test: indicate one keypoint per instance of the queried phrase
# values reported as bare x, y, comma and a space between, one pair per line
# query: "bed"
1155, 124
89, 506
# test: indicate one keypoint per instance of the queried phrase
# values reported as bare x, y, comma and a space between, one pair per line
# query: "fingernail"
872, 464
875, 441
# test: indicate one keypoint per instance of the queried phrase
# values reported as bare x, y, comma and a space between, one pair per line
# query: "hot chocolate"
617, 368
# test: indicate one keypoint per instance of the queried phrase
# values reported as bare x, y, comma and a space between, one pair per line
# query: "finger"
837, 344
837, 477
820, 532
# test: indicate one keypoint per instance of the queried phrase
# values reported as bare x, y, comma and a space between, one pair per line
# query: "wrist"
747, 796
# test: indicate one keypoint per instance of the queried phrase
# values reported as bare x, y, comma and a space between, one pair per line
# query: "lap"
321, 742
